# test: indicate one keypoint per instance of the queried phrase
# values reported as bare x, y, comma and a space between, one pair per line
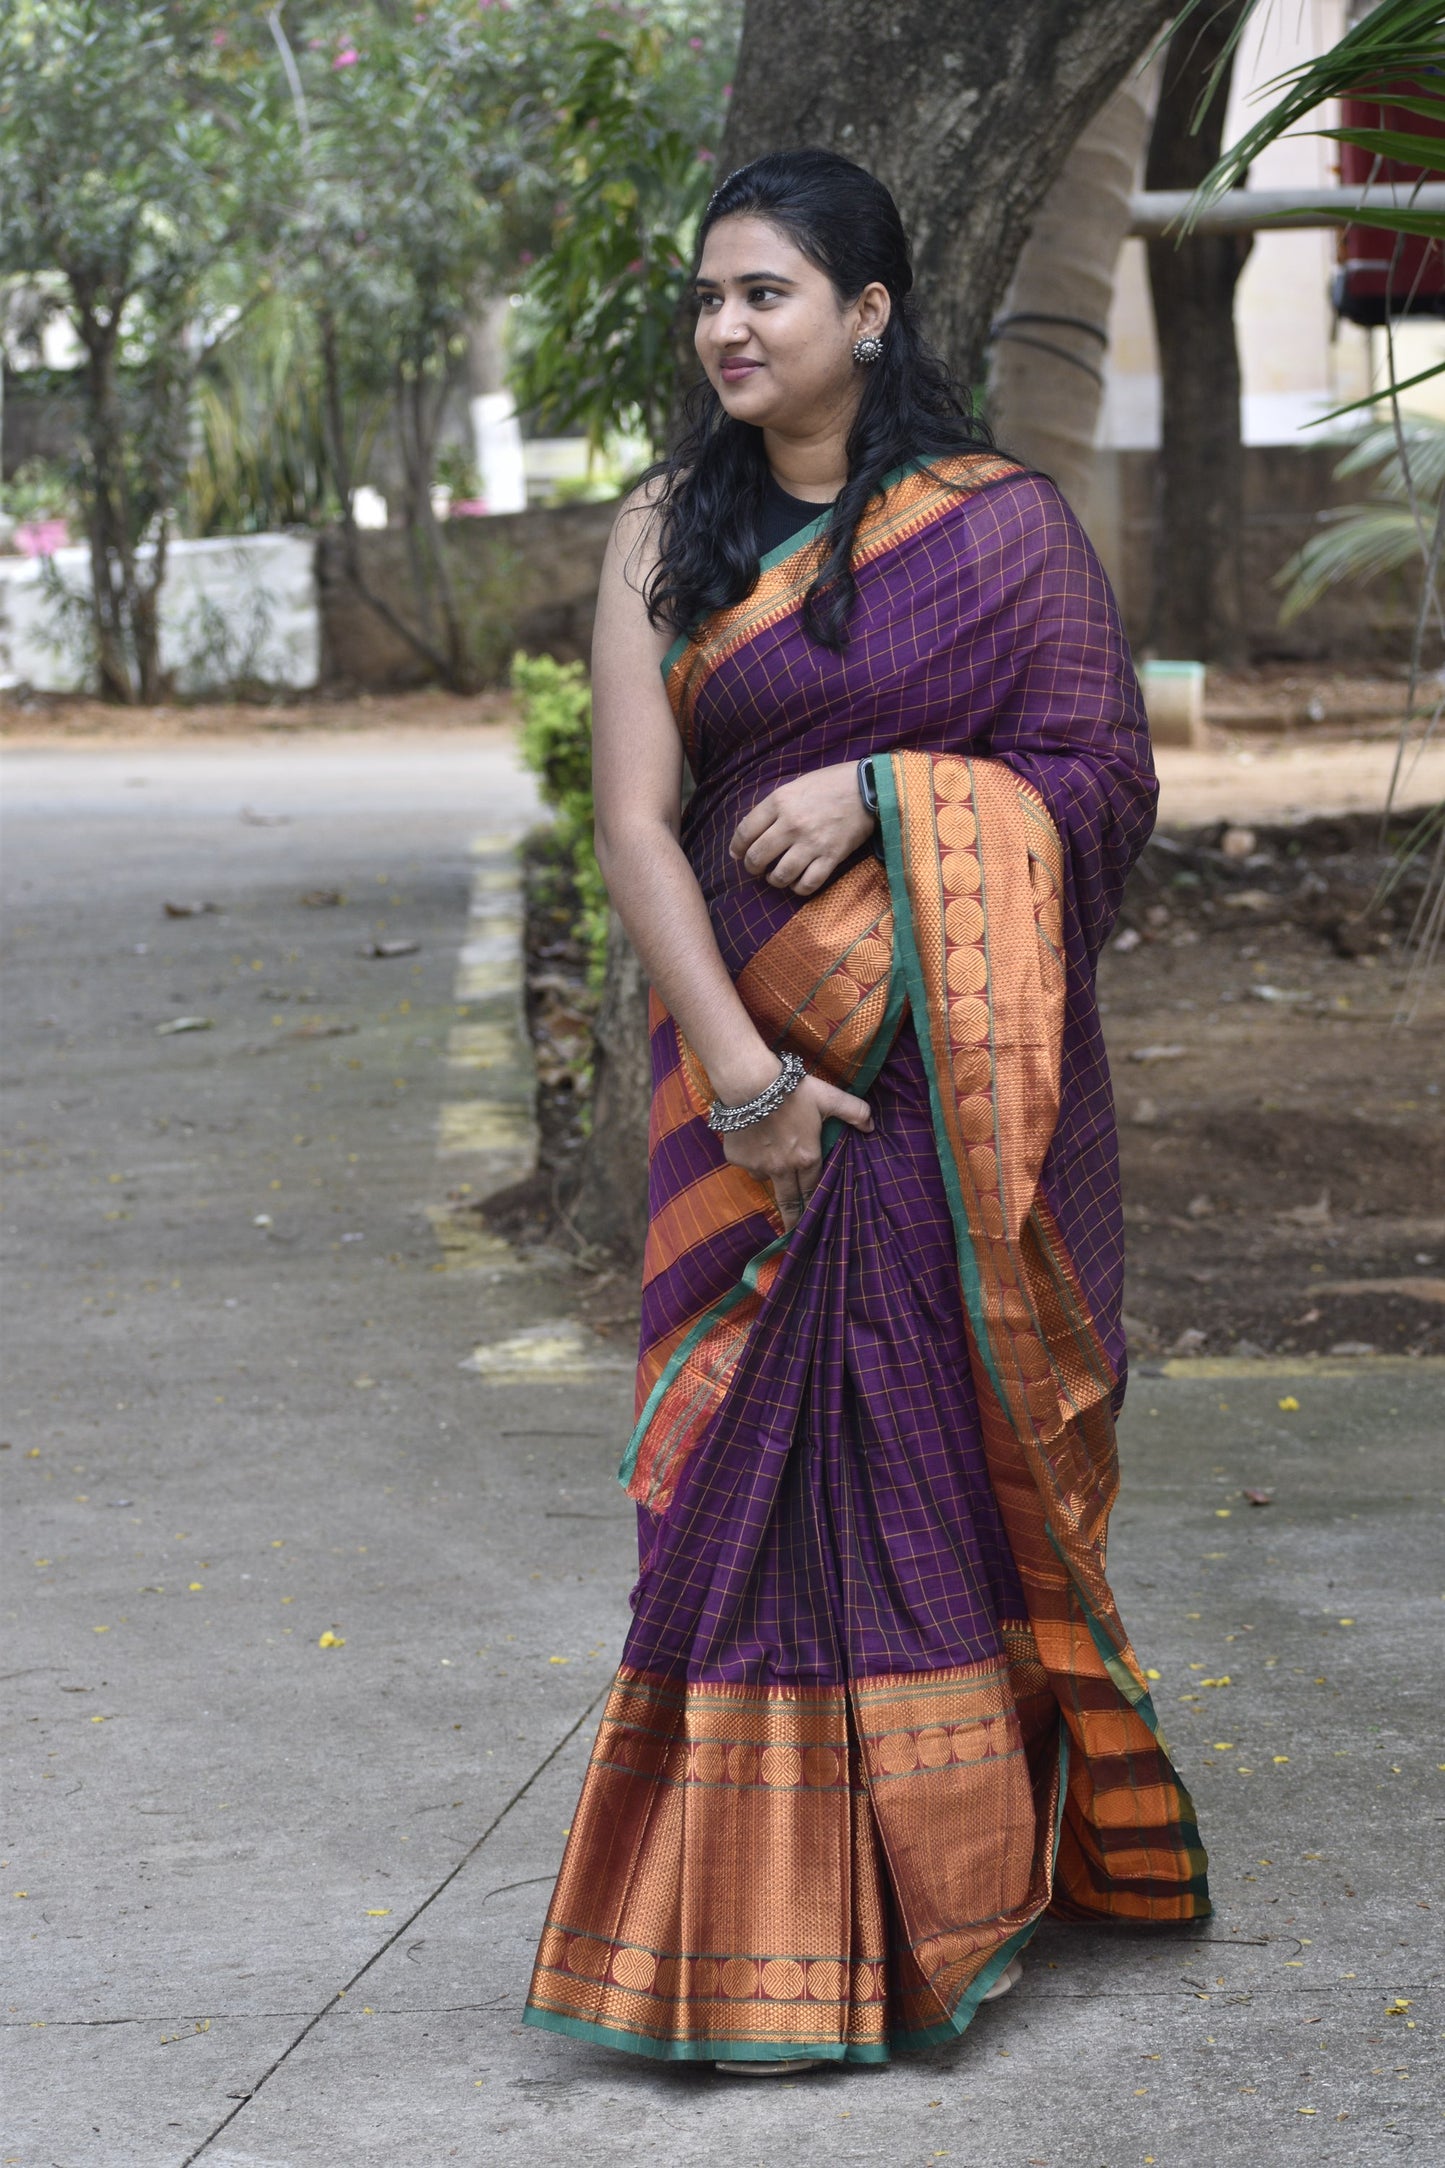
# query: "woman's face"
772, 334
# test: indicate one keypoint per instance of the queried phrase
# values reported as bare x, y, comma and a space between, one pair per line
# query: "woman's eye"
763, 293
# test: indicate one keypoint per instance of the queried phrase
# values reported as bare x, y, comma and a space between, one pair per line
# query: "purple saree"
876, 1712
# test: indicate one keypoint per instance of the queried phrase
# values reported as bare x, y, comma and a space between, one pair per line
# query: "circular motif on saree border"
990, 1211
826, 1980
636, 1969
588, 1959
820, 1765
1043, 1399
1003, 1263
868, 959
963, 919
933, 1747
959, 872
1032, 1356
552, 1951
783, 1979
781, 1766
703, 1978
967, 1020
1051, 923
709, 1762
743, 1764
837, 997
739, 1978
983, 1165
665, 1978
897, 1753
957, 827
967, 970
972, 1070
1015, 1309
951, 780
975, 1117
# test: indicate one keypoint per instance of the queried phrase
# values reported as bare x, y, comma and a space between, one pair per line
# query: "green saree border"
699, 2051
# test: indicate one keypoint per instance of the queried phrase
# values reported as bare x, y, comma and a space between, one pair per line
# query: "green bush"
556, 744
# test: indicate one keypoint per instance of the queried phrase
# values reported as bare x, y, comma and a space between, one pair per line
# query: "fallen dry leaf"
188, 910
390, 948
1260, 1497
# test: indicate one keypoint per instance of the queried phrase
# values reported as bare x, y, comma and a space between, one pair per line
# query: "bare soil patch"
1281, 1130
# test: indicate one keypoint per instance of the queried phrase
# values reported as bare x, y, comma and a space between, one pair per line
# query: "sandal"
745, 2069
1012, 1973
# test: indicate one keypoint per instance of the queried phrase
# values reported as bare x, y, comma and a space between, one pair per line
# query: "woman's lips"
734, 372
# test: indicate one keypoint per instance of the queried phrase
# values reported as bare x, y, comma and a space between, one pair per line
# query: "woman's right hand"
786, 1148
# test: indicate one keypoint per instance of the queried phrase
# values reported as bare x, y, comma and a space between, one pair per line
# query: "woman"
876, 1712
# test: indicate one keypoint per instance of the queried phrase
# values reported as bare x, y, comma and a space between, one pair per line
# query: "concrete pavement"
280, 1898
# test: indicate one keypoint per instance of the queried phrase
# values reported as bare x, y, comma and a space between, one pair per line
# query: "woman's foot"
769, 2070
1012, 1973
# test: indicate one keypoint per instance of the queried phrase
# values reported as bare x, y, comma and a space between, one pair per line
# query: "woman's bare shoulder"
637, 529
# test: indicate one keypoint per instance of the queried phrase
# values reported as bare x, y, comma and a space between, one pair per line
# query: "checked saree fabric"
877, 1712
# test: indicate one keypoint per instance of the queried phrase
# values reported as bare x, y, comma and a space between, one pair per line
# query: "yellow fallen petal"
196, 1586
557, 1659
379, 1912
1224, 1746
1222, 1513
1289, 1405
1347, 1622
1278, 1758
1151, 1673
329, 1640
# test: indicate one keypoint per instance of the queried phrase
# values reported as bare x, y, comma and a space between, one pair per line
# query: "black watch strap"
867, 788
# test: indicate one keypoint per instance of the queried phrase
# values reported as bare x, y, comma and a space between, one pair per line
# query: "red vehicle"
1384, 274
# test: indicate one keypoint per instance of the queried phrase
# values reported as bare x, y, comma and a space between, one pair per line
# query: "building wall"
531, 579
1297, 362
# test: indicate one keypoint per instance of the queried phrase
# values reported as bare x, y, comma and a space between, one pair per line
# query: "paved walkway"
280, 1897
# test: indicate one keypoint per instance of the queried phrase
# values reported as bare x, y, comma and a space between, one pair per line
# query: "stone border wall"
531, 576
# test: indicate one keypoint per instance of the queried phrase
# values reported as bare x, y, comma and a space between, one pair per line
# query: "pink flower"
696, 44
219, 38
41, 537
705, 158
526, 256
468, 508
346, 58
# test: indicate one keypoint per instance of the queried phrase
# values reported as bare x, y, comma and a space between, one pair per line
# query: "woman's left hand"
801, 832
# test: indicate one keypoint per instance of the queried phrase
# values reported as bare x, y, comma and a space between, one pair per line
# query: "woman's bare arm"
637, 789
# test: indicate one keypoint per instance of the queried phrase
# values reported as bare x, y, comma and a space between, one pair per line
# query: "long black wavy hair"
713, 480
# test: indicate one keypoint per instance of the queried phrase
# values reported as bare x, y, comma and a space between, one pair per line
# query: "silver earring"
867, 350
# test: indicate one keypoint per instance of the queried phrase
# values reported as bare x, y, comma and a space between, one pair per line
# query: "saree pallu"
877, 1713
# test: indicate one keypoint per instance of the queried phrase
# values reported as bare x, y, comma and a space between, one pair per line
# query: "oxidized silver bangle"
721, 1119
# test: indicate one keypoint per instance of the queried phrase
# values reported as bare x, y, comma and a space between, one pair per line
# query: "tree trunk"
1046, 376
1198, 598
966, 110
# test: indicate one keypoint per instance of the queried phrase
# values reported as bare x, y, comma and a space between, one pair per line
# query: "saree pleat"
877, 1712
